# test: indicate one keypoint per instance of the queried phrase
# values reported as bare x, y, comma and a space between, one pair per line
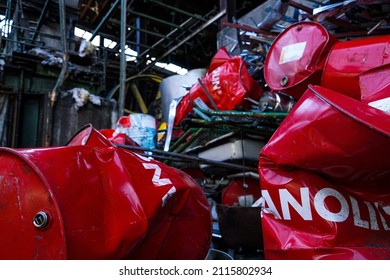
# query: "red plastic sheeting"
102, 202
325, 181
228, 83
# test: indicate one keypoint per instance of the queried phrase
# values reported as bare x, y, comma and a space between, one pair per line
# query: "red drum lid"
32, 226
296, 58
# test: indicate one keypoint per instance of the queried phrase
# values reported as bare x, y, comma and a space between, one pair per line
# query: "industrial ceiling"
38, 36
172, 31
178, 31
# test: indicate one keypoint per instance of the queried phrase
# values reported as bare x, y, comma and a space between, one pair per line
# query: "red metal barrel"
305, 53
296, 58
91, 200
325, 179
348, 61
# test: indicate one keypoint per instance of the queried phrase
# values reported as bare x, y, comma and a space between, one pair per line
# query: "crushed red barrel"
92, 200
325, 178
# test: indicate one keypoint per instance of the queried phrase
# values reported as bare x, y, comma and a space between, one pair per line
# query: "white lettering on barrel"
271, 206
373, 219
324, 212
385, 225
302, 209
157, 180
357, 220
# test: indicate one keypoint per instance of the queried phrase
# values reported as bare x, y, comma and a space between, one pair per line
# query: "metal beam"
179, 10
153, 18
129, 43
140, 29
86, 7
49, 110
40, 21
138, 35
101, 9
179, 156
200, 29
8, 16
103, 21
122, 73
65, 53
167, 36
230, 6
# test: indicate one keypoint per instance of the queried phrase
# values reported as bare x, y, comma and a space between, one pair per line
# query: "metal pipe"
230, 6
7, 27
122, 74
168, 35
184, 136
49, 110
101, 9
129, 42
117, 47
154, 19
8, 16
86, 7
271, 115
184, 31
138, 35
179, 10
33, 29
24, 43
208, 94
16, 115
200, 29
40, 20
4, 104
103, 21
156, 78
140, 29
331, 6
181, 147
177, 156
65, 53
138, 97
246, 174
104, 79
277, 12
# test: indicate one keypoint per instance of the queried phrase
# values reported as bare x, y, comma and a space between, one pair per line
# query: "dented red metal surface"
102, 202
247, 189
296, 58
375, 83
306, 53
24, 192
348, 60
325, 177
325, 172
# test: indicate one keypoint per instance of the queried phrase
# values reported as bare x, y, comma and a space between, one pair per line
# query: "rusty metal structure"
246, 155
41, 58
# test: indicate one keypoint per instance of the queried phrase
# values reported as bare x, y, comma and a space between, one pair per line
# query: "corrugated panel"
68, 120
